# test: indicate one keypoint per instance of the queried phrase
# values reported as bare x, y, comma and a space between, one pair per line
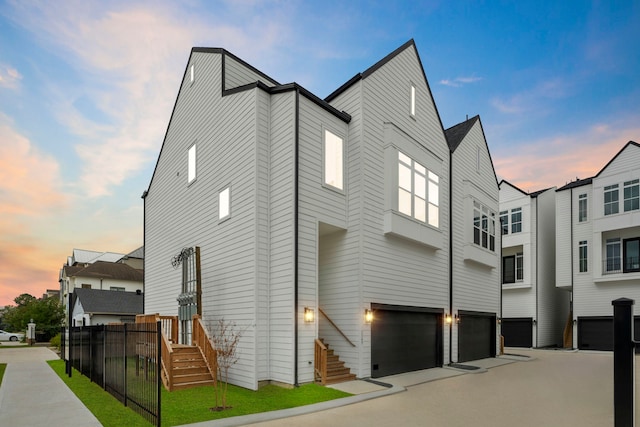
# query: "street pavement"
537, 388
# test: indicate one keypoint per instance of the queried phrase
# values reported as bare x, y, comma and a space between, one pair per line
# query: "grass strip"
3, 367
193, 405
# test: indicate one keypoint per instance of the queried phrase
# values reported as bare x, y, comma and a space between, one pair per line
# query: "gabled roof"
532, 194
138, 253
83, 256
106, 270
455, 134
586, 181
97, 301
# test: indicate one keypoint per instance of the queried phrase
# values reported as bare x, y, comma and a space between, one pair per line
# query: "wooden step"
191, 378
182, 386
333, 379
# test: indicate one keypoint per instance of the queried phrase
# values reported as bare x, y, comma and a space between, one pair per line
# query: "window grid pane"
333, 160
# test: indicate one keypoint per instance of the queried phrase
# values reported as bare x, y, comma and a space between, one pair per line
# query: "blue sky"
87, 88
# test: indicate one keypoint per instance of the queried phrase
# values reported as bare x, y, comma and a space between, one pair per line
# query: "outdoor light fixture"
368, 315
499, 320
308, 315
448, 319
457, 318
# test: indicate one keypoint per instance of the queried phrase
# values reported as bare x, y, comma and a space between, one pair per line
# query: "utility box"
31, 332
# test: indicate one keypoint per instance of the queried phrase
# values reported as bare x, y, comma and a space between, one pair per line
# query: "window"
86, 286
582, 255
413, 100
478, 159
504, 222
512, 268
116, 288
418, 193
631, 261
484, 226
516, 220
611, 199
582, 208
631, 195
612, 262
224, 203
333, 160
191, 174
192, 73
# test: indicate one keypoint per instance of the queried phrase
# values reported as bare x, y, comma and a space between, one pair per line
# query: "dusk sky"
87, 89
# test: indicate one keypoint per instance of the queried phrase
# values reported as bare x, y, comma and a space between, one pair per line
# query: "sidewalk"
32, 395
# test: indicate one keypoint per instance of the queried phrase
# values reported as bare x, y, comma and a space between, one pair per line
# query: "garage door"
476, 336
518, 332
404, 339
595, 333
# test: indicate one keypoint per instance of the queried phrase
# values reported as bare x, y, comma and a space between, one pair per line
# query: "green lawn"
192, 405
3, 366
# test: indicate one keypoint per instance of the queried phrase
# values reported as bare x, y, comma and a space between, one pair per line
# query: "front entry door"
190, 297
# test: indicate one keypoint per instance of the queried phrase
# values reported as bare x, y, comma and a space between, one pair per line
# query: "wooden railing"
336, 327
201, 339
320, 362
169, 326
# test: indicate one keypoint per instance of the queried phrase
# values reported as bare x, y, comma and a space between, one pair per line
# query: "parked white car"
10, 336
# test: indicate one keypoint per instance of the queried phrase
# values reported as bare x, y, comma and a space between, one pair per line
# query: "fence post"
125, 364
159, 370
623, 363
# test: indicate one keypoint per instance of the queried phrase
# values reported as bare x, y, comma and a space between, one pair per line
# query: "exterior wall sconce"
499, 321
368, 315
535, 322
308, 315
448, 319
457, 319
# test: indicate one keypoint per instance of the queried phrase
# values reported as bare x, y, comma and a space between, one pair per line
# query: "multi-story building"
598, 247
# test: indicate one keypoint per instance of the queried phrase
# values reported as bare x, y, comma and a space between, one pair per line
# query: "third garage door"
404, 339
518, 332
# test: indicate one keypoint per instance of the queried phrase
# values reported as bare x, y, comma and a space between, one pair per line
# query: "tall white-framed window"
631, 193
583, 256
413, 100
516, 220
611, 198
504, 222
613, 261
582, 208
192, 75
418, 191
484, 226
513, 268
224, 203
333, 160
191, 167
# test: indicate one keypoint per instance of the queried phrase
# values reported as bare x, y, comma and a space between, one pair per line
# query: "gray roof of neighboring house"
110, 270
99, 301
82, 256
455, 134
138, 253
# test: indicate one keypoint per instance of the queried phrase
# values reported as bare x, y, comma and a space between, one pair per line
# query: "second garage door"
518, 332
404, 339
476, 336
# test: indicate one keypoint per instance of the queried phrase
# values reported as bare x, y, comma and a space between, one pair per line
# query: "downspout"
144, 245
537, 269
572, 305
450, 256
295, 236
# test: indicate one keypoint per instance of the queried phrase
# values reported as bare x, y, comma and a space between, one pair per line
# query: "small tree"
225, 336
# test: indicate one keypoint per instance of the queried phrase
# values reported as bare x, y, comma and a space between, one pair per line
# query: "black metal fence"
124, 359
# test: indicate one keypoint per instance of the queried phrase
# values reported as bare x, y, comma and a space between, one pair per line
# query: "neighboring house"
475, 244
598, 246
277, 210
134, 259
101, 307
534, 311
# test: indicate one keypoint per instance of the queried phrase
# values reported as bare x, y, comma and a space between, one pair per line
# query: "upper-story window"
333, 160
504, 222
192, 75
516, 220
191, 170
611, 199
484, 226
582, 256
224, 203
631, 261
613, 258
512, 268
418, 191
582, 207
631, 193
413, 100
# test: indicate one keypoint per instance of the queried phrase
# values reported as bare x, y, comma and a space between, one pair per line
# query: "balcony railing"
616, 266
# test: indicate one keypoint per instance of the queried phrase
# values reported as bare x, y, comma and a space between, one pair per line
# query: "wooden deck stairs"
188, 367
333, 370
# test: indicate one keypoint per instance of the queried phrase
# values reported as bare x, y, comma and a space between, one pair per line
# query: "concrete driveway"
554, 388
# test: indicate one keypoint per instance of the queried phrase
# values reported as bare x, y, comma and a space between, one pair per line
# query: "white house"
534, 310
475, 244
598, 246
101, 307
300, 218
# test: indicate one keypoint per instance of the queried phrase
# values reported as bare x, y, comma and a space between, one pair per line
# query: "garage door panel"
476, 337
518, 332
595, 333
403, 341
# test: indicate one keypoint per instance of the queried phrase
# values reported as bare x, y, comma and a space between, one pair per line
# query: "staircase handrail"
336, 327
320, 362
167, 350
201, 339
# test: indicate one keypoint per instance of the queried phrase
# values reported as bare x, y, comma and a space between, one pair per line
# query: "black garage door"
476, 336
518, 332
404, 339
595, 333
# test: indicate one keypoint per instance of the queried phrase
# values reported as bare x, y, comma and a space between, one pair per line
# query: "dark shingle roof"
455, 134
98, 301
576, 183
111, 270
